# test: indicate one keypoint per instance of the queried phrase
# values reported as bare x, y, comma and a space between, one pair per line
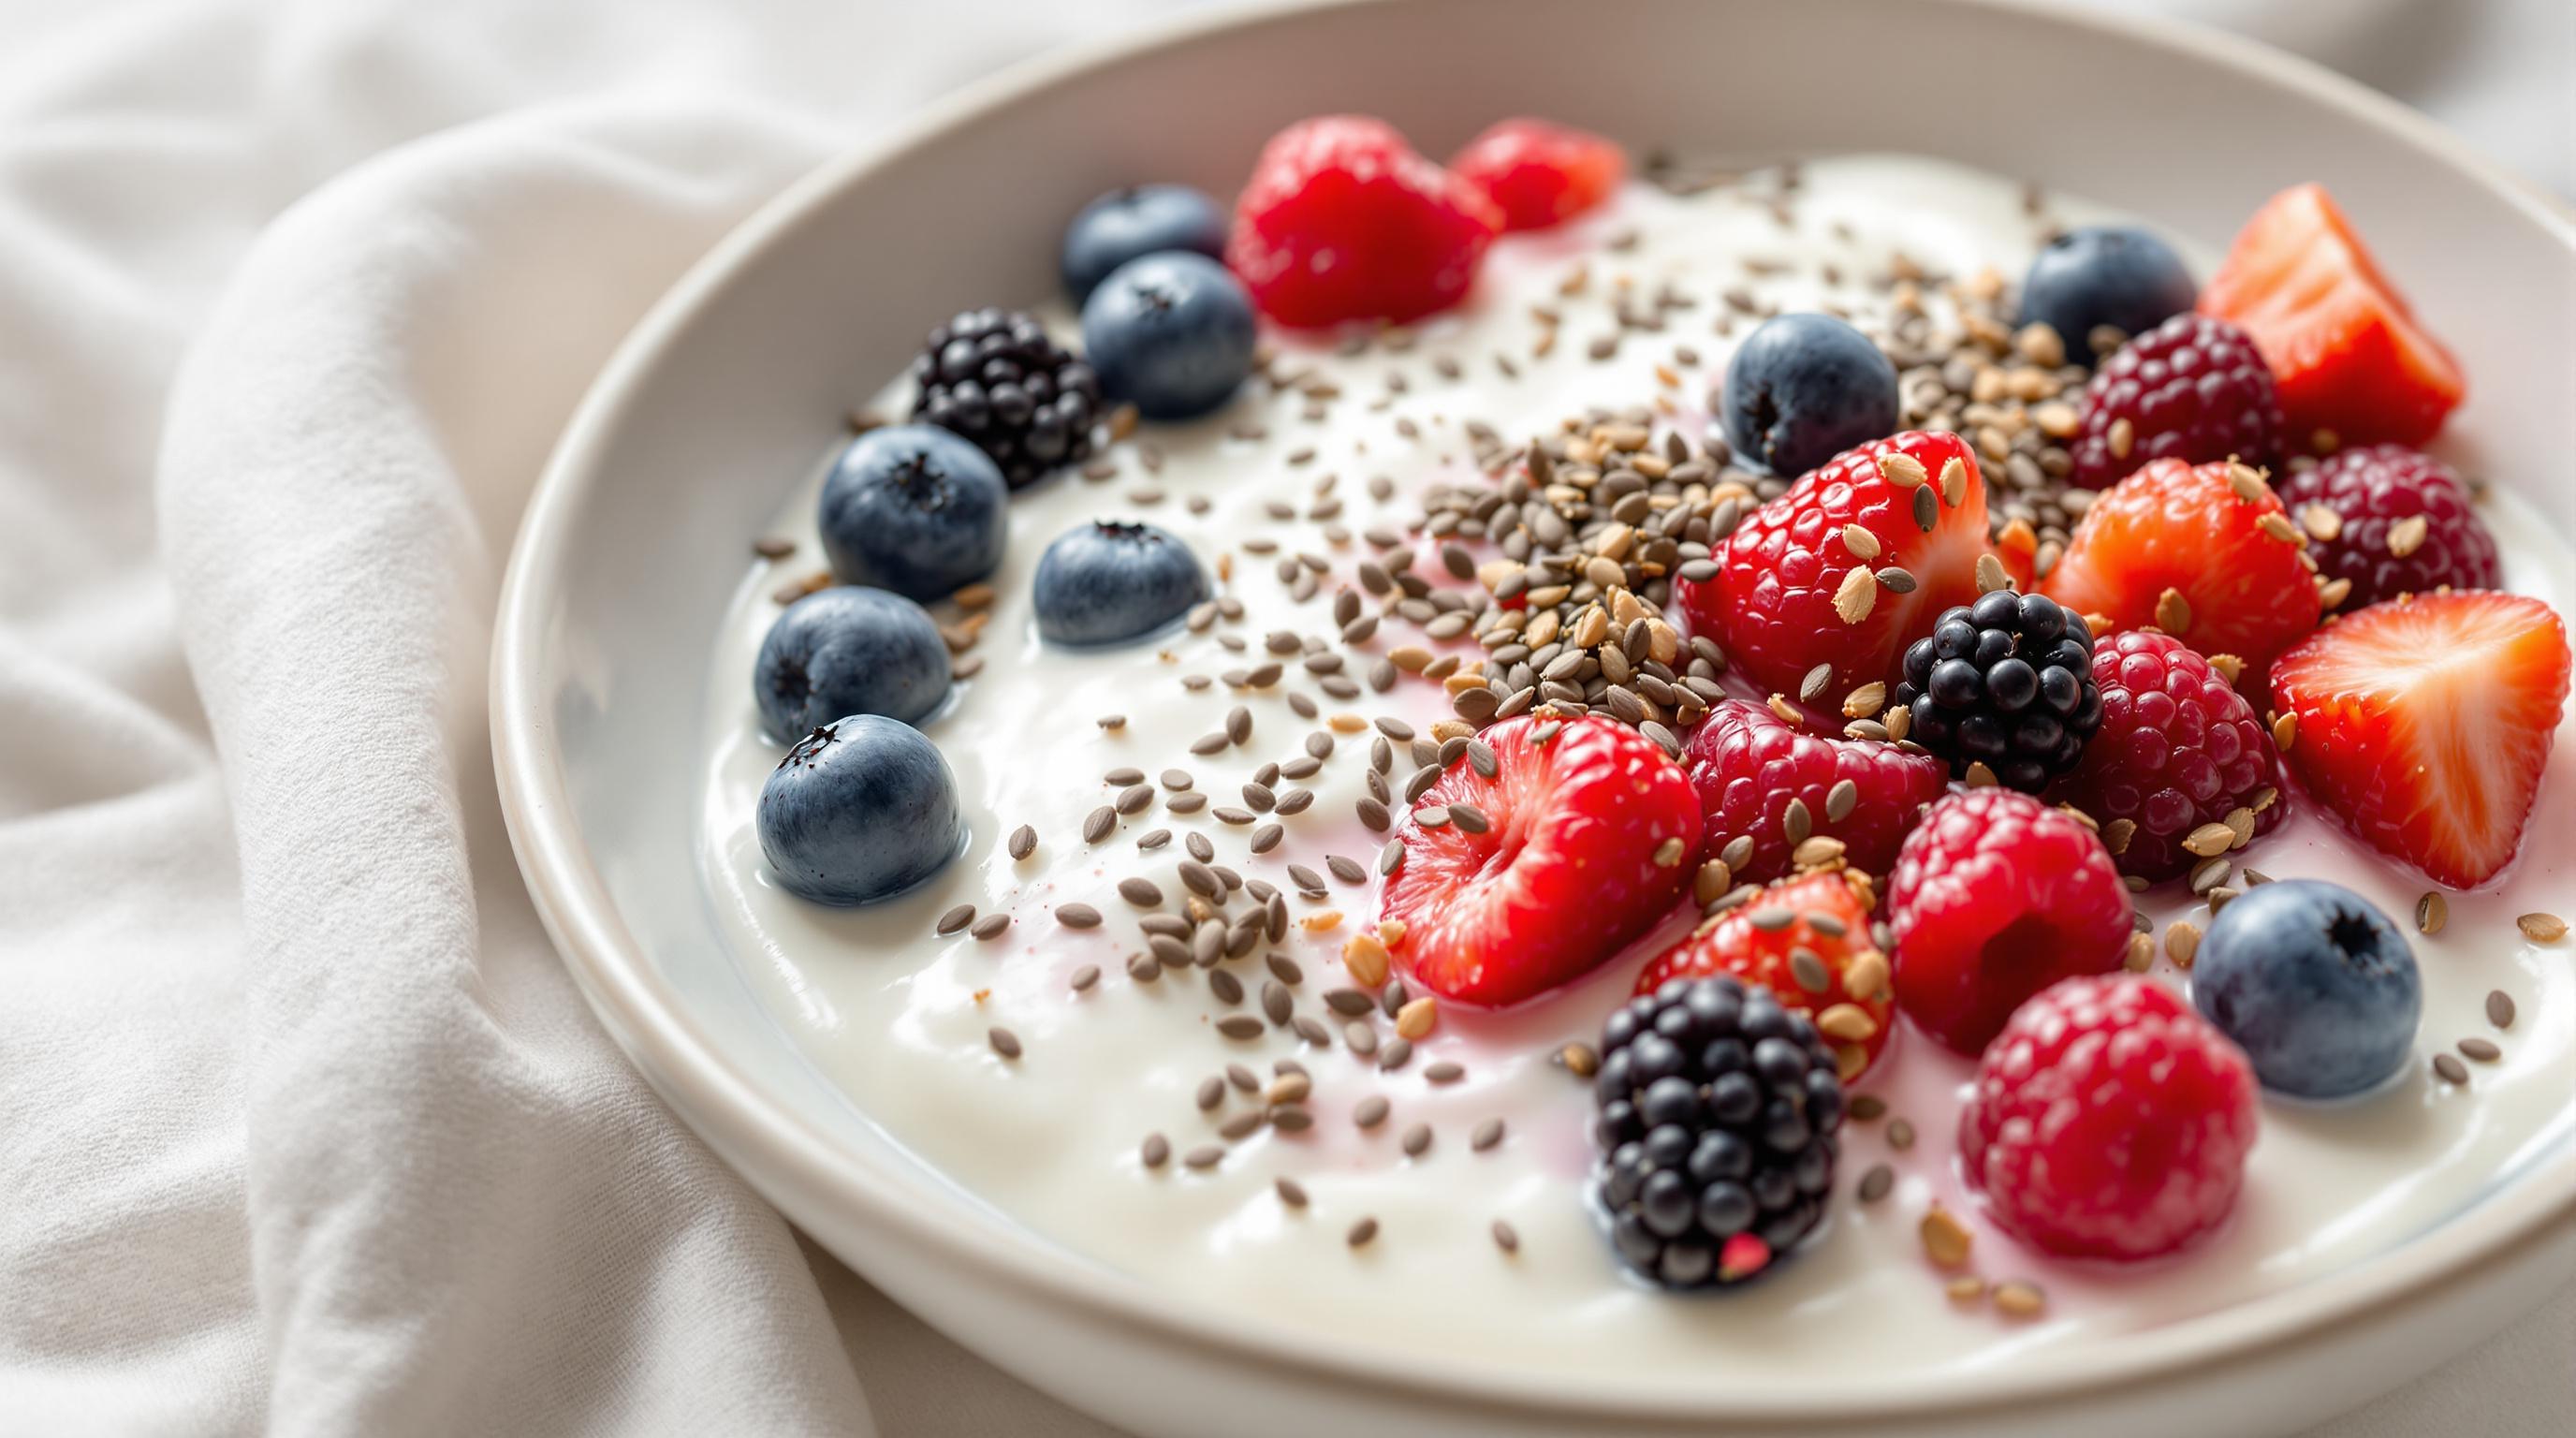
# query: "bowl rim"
779, 1151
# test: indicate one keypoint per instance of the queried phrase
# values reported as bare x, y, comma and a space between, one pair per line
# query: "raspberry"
994, 376
2370, 491
2108, 1120
2193, 388
1522, 881
1718, 1115
1824, 915
2006, 682
2202, 552
2178, 748
1848, 566
1995, 897
1749, 765
1540, 174
1343, 221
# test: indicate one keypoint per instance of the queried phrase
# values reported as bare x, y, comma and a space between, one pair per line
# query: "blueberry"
2317, 987
1171, 334
1132, 223
2116, 275
847, 650
1105, 582
861, 809
915, 509
1804, 388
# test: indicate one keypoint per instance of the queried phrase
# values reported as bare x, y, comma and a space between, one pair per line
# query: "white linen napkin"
303, 1129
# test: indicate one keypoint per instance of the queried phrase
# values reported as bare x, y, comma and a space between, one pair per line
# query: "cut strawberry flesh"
2341, 341
2426, 723
1586, 842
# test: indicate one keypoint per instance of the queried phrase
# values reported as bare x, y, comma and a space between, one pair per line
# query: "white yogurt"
898, 1018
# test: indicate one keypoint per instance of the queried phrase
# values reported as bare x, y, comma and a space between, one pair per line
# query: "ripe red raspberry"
2193, 388
1575, 846
2178, 748
2373, 489
1541, 174
2108, 1120
1749, 765
1995, 897
1849, 566
1343, 221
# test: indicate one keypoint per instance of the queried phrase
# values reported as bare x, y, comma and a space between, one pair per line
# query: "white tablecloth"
302, 1127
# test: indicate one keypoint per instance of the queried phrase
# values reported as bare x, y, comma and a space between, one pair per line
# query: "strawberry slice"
2203, 552
1849, 566
1514, 884
1540, 174
2341, 341
1822, 915
2425, 724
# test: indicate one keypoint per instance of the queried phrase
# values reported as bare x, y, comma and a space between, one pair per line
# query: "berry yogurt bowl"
1616, 753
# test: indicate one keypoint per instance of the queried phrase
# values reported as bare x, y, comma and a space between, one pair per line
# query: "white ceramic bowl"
726, 394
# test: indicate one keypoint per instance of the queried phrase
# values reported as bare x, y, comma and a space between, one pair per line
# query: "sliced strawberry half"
1849, 566
1514, 884
1823, 917
2341, 341
2425, 724
2202, 552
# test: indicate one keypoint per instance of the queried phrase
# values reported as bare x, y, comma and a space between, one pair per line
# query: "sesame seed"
2018, 1299
2432, 912
2542, 928
1946, 1240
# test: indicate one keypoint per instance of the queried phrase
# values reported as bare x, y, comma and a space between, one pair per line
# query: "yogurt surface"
899, 1017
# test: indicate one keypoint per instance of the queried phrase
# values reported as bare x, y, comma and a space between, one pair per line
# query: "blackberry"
993, 376
2006, 682
1718, 1115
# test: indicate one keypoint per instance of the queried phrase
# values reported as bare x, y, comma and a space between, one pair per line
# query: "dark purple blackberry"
2006, 682
1717, 1123
993, 376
